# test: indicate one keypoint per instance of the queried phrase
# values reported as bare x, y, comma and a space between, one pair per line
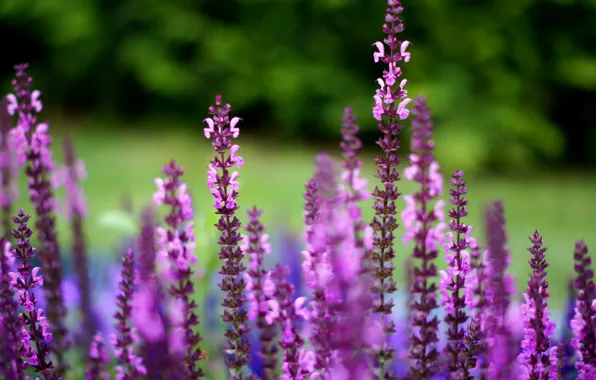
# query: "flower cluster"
343, 324
389, 114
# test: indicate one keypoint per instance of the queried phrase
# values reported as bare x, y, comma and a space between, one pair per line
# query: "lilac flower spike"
131, 366
12, 363
98, 359
384, 222
501, 349
35, 334
538, 330
583, 325
32, 142
176, 243
425, 224
256, 246
76, 210
9, 189
224, 188
453, 279
355, 186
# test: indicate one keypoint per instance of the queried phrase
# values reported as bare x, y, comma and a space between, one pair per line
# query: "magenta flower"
539, 329
35, 335
583, 324
424, 222
130, 365
32, 144
389, 113
98, 359
177, 242
453, 279
256, 246
224, 188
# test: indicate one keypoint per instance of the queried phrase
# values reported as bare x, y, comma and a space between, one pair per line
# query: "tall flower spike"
12, 364
453, 279
539, 329
423, 219
98, 359
355, 187
69, 176
224, 187
32, 143
389, 113
256, 246
177, 242
9, 190
583, 324
35, 330
500, 286
130, 366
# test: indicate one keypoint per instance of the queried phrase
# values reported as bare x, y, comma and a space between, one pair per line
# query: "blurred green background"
512, 86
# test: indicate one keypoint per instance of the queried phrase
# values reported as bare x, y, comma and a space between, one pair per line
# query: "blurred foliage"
512, 83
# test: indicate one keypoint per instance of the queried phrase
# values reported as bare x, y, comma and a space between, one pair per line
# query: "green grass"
125, 163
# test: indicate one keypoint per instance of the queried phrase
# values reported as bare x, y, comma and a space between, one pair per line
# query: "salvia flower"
9, 189
223, 184
297, 364
389, 112
534, 361
470, 350
355, 187
453, 279
12, 363
98, 359
424, 222
32, 142
130, 366
35, 335
583, 325
256, 246
177, 242
500, 286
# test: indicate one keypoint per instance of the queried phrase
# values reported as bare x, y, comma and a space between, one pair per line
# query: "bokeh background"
512, 86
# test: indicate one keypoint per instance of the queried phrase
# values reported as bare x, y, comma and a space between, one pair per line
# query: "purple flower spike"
501, 348
131, 366
355, 187
583, 324
35, 336
534, 361
76, 210
98, 359
256, 245
177, 243
424, 222
297, 363
470, 349
224, 187
32, 143
389, 113
9, 189
12, 363
453, 279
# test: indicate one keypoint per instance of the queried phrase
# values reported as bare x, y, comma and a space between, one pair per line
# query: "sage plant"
453, 281
388, 112
177, 243
12, 363
224, 186
32, 143
75, 210
423, 220
539, 329
98, 359
256, 246
35, 335
583, 324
